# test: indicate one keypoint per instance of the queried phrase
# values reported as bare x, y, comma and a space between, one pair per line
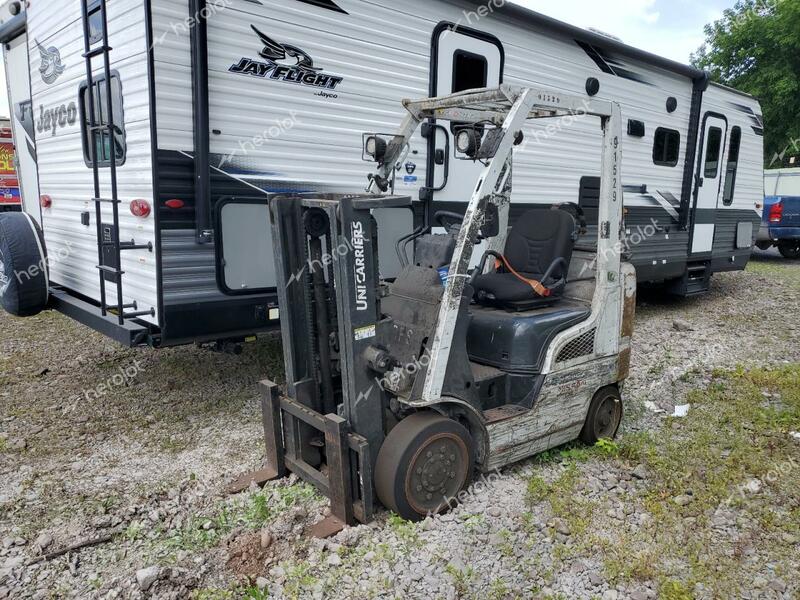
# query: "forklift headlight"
375, 147
468, 142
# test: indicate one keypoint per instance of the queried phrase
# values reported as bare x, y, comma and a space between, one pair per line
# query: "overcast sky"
671, 28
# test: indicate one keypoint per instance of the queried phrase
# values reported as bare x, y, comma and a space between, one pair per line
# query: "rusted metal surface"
339, 469
326, 528
624, 364
629, 302
335, 479
243, 482
273, 429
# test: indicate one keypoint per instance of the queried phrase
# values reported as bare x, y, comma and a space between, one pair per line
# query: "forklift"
399, 391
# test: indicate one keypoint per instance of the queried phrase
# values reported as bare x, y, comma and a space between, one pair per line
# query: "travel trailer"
156, 132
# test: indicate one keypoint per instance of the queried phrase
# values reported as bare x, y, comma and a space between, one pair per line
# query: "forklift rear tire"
605, 416
425, 462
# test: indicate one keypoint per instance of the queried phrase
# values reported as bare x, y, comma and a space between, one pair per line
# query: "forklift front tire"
605, 416
424, 463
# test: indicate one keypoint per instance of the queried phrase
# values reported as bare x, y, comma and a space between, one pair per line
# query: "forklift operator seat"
533, 270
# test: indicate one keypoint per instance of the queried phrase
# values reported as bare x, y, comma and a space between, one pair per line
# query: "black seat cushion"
538, 238
506, 287
518, 342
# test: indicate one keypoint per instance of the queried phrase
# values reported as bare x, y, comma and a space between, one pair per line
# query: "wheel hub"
606, 418
437, 473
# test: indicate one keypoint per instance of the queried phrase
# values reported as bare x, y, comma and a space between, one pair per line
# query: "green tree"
755, 48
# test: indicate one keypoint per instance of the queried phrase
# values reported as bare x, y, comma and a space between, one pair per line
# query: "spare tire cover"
24, 281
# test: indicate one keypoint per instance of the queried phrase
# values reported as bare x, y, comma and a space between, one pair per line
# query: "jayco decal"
53, 119
285, 63
51, 67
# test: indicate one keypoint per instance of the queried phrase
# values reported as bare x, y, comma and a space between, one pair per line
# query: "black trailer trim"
151, 76
700, 86
232, 318
202, 136
128, 334
328, 4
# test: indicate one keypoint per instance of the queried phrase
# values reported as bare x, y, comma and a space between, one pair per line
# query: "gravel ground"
132, 448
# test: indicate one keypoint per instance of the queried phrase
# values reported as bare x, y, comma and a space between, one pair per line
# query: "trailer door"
709, 182
19, 95
462, 59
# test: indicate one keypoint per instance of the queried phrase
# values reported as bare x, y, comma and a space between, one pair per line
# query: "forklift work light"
375, 147
468, 142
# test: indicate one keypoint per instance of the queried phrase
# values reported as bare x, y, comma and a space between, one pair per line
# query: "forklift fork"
347, 480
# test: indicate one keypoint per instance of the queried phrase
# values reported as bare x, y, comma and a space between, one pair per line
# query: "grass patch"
248, 593
734, 459
254, 512
735, 470
738, 433
565, 501
462, 579
406, 531
787, 271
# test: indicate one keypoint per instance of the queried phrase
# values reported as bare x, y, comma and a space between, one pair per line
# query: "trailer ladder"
109, 247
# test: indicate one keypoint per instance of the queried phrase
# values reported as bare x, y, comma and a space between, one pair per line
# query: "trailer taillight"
140, 208
776, 213
174, 204
45, 201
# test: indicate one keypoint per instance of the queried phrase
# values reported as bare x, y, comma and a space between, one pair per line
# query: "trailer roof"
526, 15
728, 88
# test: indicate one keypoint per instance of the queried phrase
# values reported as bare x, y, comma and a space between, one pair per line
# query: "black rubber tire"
24, 285
605, 416
790, 250
402, 450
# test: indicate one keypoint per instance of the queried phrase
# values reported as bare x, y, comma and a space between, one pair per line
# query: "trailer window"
103, 144
667, 147
733, 165
713, 148
95, 22
470, 71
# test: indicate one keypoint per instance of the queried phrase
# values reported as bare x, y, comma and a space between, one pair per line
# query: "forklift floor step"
482, 373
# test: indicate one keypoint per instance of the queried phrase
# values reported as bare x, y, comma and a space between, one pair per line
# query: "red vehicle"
10, 198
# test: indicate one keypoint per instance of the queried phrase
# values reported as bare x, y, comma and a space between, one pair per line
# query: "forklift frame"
353, 434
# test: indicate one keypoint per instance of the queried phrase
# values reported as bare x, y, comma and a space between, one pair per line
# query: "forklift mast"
329, 330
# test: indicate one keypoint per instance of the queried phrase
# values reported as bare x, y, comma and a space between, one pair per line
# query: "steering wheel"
447, 219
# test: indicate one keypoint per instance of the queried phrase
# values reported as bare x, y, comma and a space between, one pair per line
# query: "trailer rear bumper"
129, 334
347, 480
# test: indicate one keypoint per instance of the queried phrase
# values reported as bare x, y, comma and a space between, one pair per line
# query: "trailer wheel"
605, 416
24, 285
426, 460
790, 250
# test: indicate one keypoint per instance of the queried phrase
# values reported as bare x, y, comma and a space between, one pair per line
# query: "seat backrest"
539, 237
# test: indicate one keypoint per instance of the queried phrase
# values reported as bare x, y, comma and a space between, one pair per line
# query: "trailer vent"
583, 345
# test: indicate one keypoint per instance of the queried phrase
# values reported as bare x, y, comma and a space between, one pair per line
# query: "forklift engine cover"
519, 341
